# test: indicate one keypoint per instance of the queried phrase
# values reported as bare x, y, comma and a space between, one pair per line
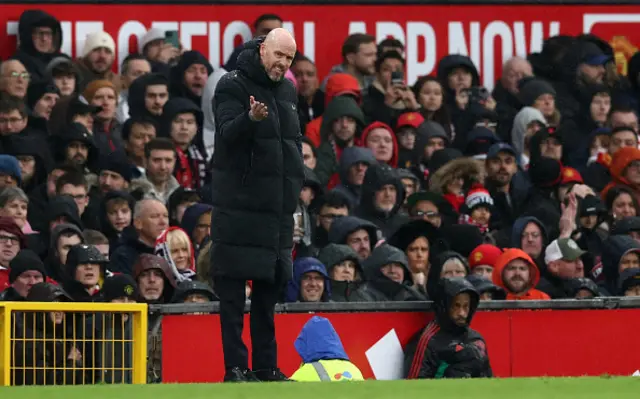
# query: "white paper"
386, 357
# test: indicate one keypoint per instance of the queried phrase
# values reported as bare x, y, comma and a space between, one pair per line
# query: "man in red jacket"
11, 241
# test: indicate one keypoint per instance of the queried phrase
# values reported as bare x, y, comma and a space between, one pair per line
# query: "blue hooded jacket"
300, 267
318, 340
191, 216
519, 226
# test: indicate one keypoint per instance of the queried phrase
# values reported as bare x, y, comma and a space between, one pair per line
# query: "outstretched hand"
258, 111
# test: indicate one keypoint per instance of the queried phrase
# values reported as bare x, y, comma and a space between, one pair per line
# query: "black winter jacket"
260, 166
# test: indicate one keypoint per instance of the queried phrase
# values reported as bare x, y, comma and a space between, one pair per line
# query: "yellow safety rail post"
138, 341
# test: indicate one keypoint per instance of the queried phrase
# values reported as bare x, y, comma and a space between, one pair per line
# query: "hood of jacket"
302, 266
31, 19
519, 226
149, 262
334, 254
470, 169
162, 249
24, 143
63, 205
613, 249
452, 61
339, 84
54, 268
342, 227
377, 176
628, 278
138, 91
73, 132
177, 87
105, 225
318, 340
383, 255
509, 255
437, 262
177, 106
520, 123
351, 156
191, 216
393, 162
620, 161
483, 285
448, 288
338, 107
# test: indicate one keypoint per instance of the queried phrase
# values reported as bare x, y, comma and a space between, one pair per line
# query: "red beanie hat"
478, 195
485, 254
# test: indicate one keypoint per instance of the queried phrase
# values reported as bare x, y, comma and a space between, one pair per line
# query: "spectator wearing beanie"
479, 205
189, 77
12, 239
115, 173
545, 175
26, 269
97, 59
540, 94
120, 288
106, 128
10, 174
406, 133
483, 259
570, 178
64, 74
35, 54
41, 98
625, 171
547, 142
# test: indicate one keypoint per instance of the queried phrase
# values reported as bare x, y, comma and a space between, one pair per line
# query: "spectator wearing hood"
39, 198
106, 128
530, 234
629, 226
625, 171
40, 40
33, 157
486, 289
147, 97
196, 222
591, 214
116, 214
13, 240
430, 207
540, 94
382, 198
72, 109
341, 123
582, 288
26, 270
75, 146
418, 239
445, 264
179, 201
483, 260
155, 280
150, 219
41, 98
409, 134
353, 167
338, 84
323, 356
133, 66
506, 92
98, 56
542, 199
175, 247
14, 79
64, 74
432, 353
629, 283
189, 76
193, 292
357, 233
526, 123
183, 125
86, 271
479, 140
332, 206
385, 99
598, 174
619, 253
346, 273
62, 238
517, 274
381, 140
563, 258
388, 276
10, 174
547, 142
310, 282
451, 180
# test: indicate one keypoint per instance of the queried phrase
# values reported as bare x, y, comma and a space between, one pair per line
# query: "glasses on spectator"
43, 33
12, 121
429, 215
16, 75
330, 216
531, 235
13, 240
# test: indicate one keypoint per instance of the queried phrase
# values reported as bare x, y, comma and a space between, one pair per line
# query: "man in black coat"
258, 161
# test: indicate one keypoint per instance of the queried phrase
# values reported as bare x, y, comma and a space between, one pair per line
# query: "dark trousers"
263, 333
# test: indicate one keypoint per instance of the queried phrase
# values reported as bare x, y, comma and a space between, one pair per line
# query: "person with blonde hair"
176, 248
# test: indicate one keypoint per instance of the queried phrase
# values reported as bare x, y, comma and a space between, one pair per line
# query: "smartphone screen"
171, 37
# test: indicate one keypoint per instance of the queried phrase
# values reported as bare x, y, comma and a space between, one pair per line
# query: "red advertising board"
489, 34
521, 343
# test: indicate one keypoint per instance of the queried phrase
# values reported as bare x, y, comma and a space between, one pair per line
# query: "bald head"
513, 71
277, 52
14, 78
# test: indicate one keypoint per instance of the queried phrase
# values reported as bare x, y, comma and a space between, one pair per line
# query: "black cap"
119, 286
83, 254
118, 163
24, 261
188, 287
47, 292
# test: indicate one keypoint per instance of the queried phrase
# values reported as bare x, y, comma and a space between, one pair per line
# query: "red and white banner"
489, 34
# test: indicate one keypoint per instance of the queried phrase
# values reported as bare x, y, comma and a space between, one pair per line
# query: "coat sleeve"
429, 365
233, 124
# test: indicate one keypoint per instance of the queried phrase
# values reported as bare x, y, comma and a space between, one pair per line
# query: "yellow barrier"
62, 343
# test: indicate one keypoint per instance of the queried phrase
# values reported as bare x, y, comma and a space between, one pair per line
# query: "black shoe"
270, 375
236, 374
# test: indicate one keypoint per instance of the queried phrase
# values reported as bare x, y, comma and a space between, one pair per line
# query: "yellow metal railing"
62, 343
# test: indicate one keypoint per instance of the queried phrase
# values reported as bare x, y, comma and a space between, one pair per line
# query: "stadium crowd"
530, 191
